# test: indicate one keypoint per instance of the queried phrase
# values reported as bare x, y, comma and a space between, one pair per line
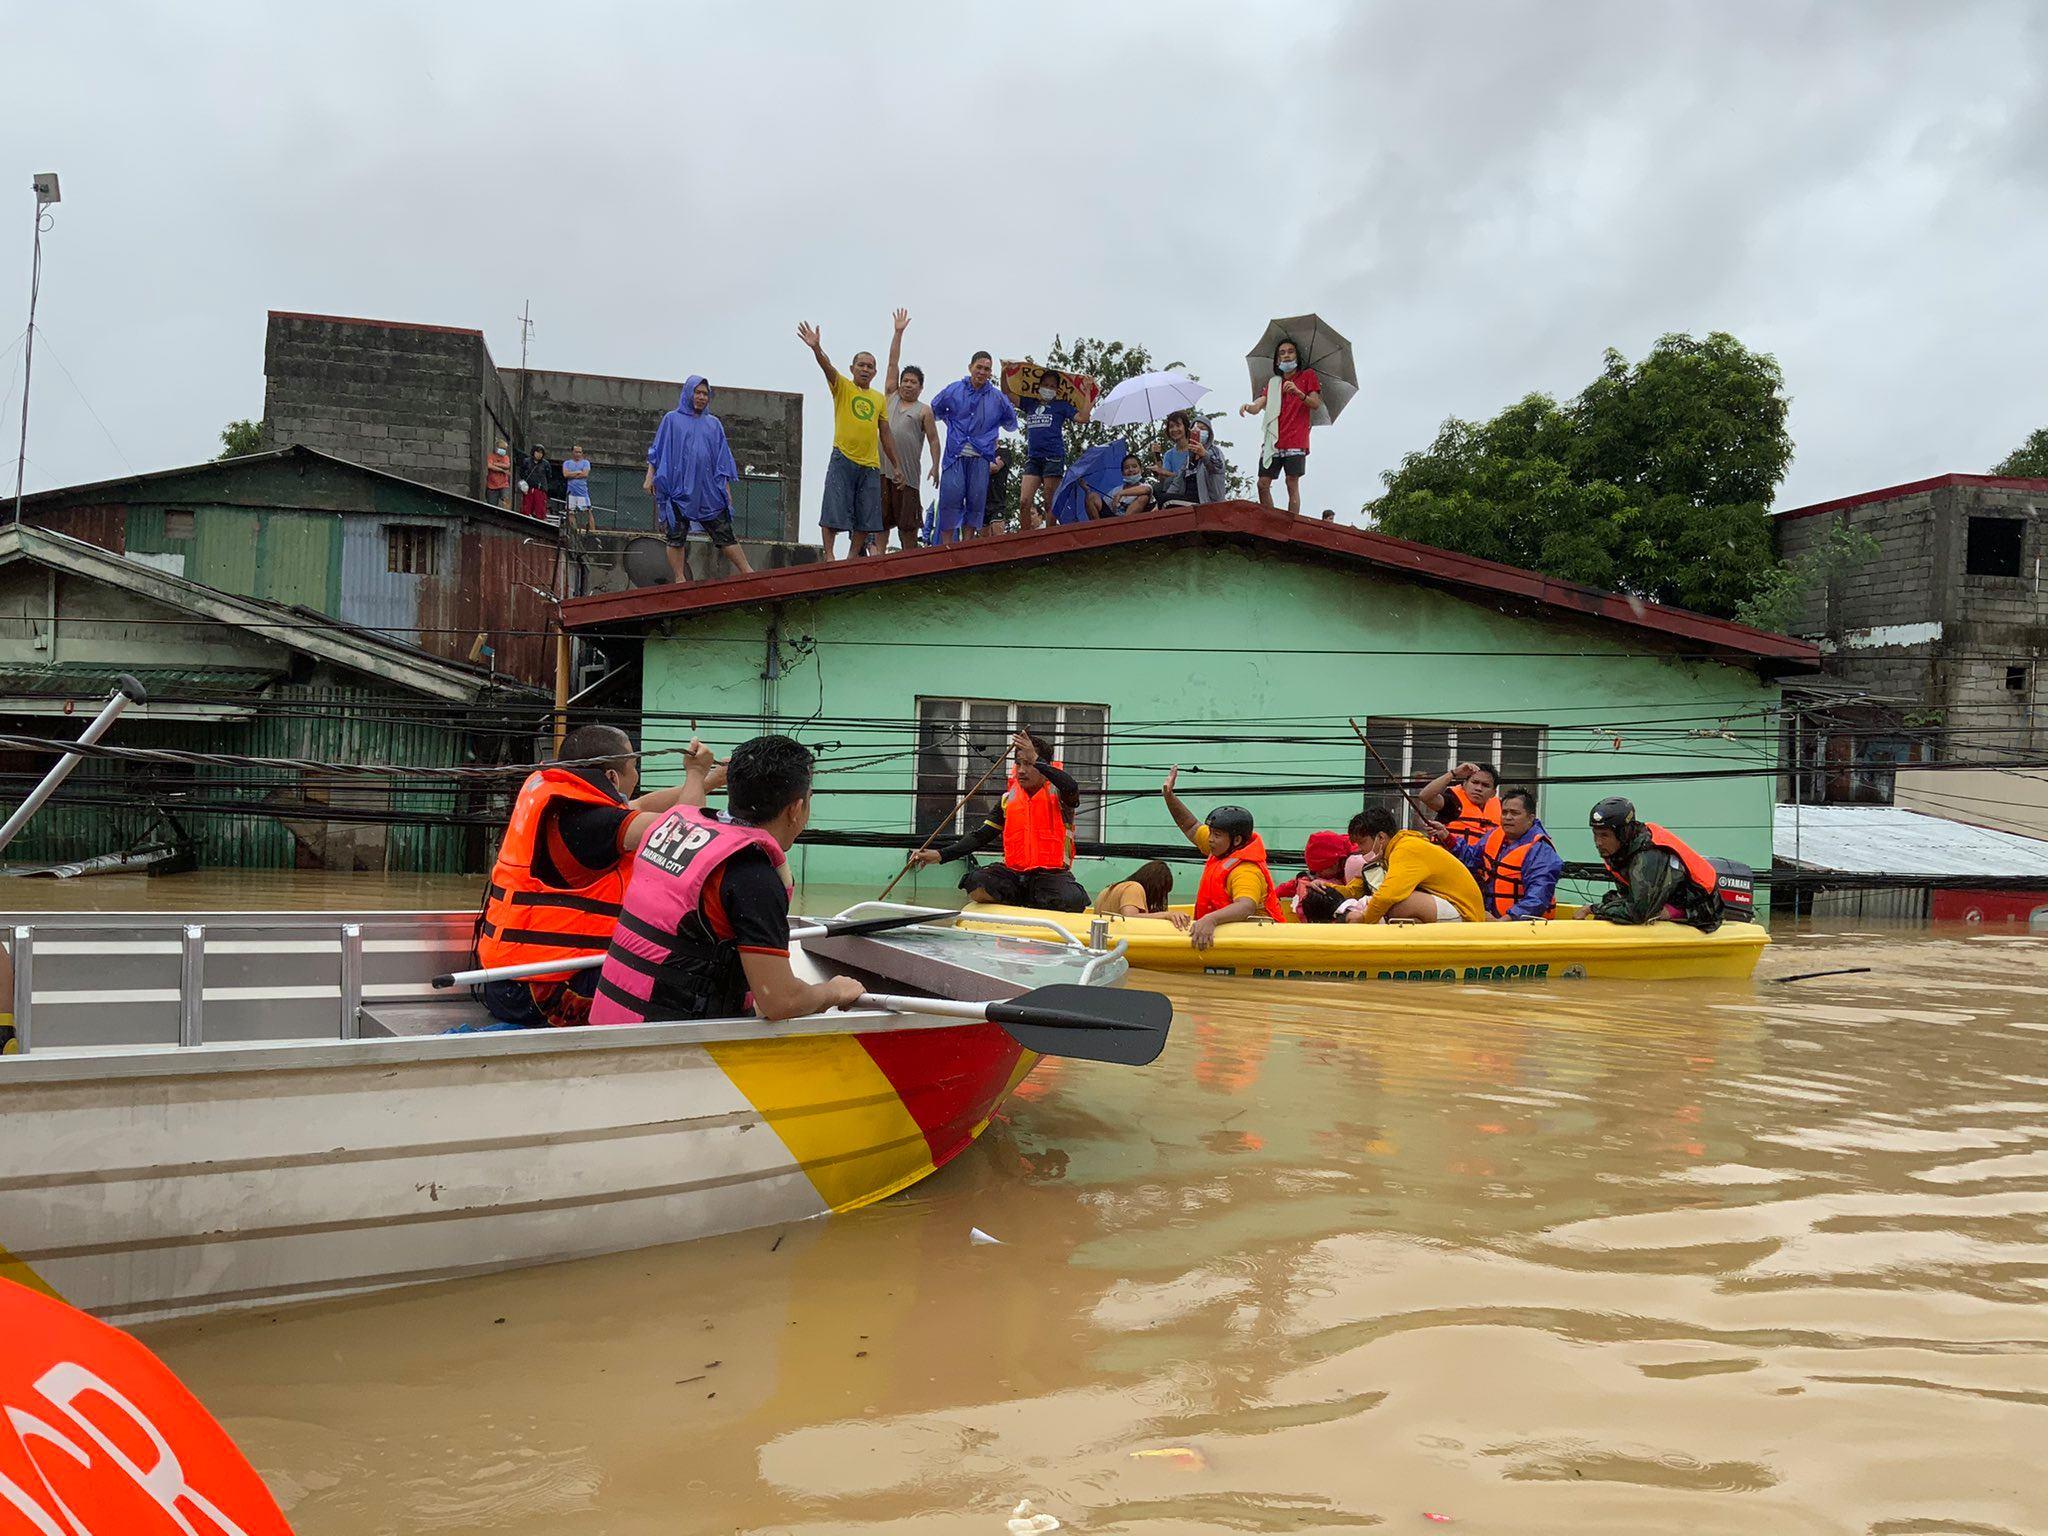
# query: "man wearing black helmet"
1657, 878
1236, 883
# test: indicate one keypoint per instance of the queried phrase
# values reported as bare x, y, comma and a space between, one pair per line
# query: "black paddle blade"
848, 927
1088, 1023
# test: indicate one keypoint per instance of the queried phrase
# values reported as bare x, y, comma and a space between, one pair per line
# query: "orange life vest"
1471, 819
1697, 869
1035, 834
527, 919
1214, 891
1500, 874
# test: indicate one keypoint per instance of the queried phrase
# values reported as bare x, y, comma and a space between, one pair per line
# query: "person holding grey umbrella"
1293, 394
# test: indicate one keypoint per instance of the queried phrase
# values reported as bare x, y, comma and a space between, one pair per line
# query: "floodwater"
1580, 1258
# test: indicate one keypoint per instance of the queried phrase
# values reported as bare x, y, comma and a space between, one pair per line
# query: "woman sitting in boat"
560, 873
1516, 864
1424, 883
1145, 892
1237, 885
1657, 878
705, 929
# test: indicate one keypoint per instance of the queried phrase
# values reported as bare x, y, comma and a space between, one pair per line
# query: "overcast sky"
1483, 196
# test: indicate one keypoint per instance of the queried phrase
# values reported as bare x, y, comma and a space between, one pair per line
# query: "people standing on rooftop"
975, 411
690, 471
533, 484
1045, 446
576, 479
498, 476
911, 427
1291, 397
860, 442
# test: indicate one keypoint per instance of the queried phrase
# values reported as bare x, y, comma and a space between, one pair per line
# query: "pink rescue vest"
676, 858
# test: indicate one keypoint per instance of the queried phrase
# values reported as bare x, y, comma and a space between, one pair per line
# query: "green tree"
2029, 461
238, 438
1779, 600
1654, 481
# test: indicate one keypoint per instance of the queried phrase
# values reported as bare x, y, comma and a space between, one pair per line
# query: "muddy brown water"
1582, 1258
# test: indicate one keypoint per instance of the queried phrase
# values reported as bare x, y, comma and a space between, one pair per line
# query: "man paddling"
1035, 820
1657, 878
704, 933
561, 870
1237, 885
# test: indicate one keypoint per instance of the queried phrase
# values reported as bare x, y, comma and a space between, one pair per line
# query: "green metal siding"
279, 556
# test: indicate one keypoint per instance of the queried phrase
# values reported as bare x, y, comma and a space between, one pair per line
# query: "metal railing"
191, 984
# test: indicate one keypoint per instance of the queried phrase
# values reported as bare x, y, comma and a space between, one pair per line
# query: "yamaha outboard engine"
1738, 889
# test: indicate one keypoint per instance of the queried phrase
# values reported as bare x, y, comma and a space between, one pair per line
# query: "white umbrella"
1148, 397
1321, 348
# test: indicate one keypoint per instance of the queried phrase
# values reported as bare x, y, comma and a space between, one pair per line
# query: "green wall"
1203, 634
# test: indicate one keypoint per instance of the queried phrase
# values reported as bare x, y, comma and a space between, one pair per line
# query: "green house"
1234, 642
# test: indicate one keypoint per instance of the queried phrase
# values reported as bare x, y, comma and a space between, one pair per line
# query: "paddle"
1086, 1023
830, 929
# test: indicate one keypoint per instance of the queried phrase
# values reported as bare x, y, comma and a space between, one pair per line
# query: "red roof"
1914, 488
1230, 522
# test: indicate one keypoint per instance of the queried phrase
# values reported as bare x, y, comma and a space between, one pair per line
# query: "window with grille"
961, 740
410, 551
1419, 750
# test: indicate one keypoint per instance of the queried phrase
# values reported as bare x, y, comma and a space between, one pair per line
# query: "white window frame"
1089, 822
1489, 750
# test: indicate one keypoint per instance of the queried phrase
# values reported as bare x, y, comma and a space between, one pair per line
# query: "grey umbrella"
1322, 349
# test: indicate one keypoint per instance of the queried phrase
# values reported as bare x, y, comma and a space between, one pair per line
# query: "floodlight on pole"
47, 195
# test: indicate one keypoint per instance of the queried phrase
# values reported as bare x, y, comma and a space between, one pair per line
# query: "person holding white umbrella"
1293, 395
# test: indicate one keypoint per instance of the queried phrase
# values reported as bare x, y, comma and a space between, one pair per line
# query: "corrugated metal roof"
1883, 840
1239, 522
88, 680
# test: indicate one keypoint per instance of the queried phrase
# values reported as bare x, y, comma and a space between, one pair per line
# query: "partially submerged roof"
1884, 840
1240, 523
101, 492
1914, 488
300, 629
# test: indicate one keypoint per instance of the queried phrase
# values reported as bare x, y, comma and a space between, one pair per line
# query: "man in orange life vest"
1516, 864
1657, 878
1464, 799
1035, 820
1236, 883
560, 874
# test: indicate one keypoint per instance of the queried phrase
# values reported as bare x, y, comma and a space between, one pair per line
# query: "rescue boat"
1557, 949
243, 1109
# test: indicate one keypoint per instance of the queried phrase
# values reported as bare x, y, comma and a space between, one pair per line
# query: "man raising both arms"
860, 442
912, 428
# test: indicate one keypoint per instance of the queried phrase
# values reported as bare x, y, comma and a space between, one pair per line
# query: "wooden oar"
1087, 1023
1414, 804
908, 865
126, 691
834, 929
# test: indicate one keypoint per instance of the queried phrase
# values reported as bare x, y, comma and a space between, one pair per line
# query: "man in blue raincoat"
690, 471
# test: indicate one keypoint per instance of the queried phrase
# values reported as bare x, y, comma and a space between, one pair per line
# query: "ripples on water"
1595, 1258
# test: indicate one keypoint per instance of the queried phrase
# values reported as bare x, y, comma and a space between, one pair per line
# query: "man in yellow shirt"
860, 440
1424, 883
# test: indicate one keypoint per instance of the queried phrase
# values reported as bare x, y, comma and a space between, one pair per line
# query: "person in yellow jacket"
1424, 882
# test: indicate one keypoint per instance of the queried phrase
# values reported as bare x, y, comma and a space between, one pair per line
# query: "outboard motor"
1738, 890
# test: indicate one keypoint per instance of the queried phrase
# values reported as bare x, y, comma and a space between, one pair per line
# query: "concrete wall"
1030, 634
410, 399
1913, 624
2010, 799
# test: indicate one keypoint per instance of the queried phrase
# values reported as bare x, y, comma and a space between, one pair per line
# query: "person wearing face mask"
975, 412
1134, 495
1291, 398
1208, 470
560, 875
1173, 483
1045, 447
860, 442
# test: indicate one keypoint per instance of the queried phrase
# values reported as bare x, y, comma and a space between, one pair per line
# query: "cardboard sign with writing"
1021, 383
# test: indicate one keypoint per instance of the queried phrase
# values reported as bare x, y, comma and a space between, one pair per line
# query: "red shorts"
535, 503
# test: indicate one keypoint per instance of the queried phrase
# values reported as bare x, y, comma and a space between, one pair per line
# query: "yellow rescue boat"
1556, 950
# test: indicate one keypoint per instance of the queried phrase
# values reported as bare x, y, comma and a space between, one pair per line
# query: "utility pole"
45, 185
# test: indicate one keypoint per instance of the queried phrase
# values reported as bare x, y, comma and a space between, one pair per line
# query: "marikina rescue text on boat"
232, 1110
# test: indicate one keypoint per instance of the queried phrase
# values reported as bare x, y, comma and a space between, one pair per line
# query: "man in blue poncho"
690, 471
975, 411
